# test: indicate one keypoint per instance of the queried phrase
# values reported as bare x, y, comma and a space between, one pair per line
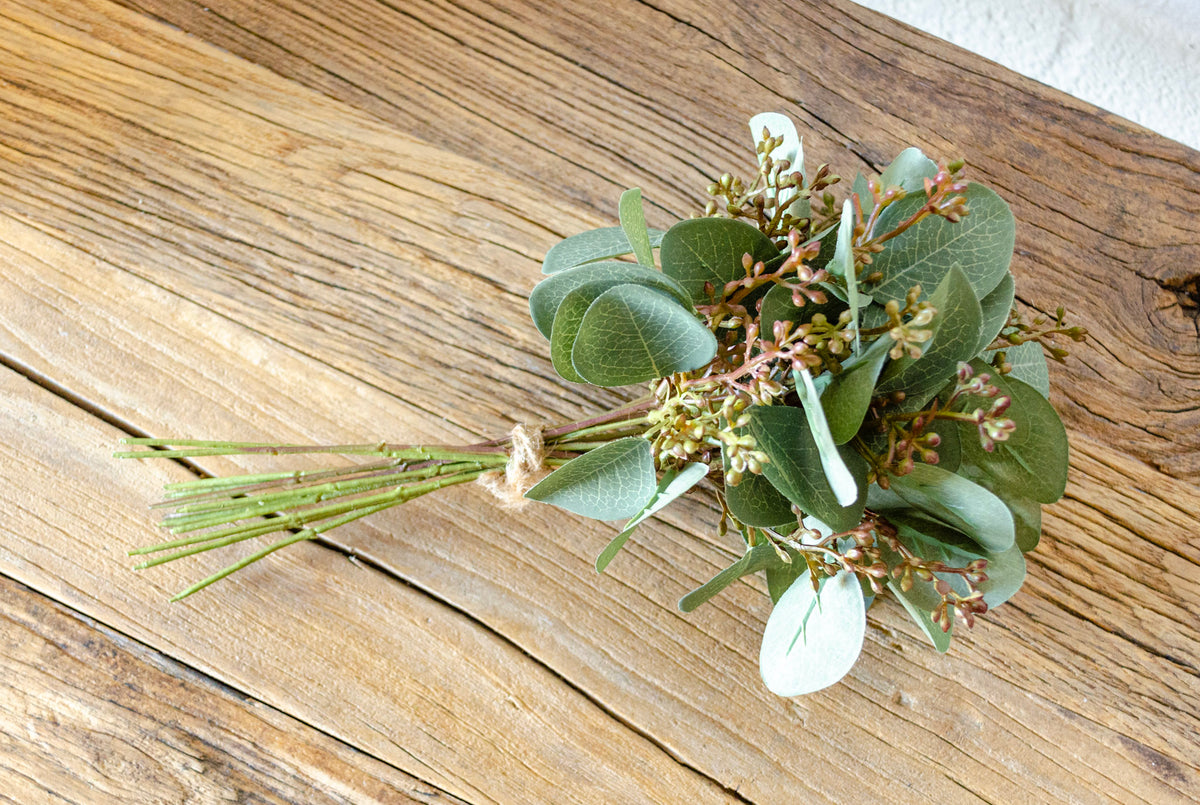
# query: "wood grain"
88, 715
234, 241
657, 94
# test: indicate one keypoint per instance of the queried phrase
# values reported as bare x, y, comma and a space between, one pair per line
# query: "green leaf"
632, 334
812, 639
795, 469
959, 503
1032, 463
1029, 366
1026, 512
981, 244
756, 503
865, 200
633, 224
566, 326
909, 171
848, 395
703, 250
791, 149
955, 335
842, 265
755, 559
919, 602
845, 487
673, 484
548, 294
590, 246
777, 306
934, 540
780, 577
609, 483
995, 308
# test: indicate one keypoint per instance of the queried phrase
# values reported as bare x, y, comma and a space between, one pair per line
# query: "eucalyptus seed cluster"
693, 423
768, 200
908, 326
992, 424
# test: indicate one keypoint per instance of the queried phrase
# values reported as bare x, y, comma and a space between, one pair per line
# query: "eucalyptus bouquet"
851, 377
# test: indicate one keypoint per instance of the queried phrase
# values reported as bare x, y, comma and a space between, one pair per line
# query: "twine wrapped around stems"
525, 467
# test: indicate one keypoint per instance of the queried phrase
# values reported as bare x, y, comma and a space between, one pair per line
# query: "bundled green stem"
210, 513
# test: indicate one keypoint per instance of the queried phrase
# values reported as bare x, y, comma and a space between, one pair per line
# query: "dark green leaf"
955, 335
710, 250
755, 502
609, 483
632, 334
590, 246
959, 503
777, 306
813, 639
795, 468
633, 224
981, 244
673, 484
548, 294
848, 395
1032, 463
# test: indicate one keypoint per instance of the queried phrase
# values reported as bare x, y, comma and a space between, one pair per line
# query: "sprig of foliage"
849, 374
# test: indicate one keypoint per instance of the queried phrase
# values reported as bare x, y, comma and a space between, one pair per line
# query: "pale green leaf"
709, 250
633, 224
755, 559
959, 503
609, 483
981, 244
588, 247
673, 484
632, 334
909, 171
1029, 366
791, 149
813, 639
548, 294
939, 542
919, 602
845, 487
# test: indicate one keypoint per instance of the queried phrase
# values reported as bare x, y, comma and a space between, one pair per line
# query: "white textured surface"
1138, 58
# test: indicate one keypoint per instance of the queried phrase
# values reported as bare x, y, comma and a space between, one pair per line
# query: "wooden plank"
657, 94
88, 715
346, 649
330, 243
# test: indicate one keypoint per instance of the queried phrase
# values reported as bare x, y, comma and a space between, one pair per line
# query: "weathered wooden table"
319, 221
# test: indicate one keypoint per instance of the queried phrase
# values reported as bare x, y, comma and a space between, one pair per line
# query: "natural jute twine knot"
525, 467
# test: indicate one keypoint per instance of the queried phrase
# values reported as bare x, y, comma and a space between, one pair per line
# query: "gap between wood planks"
98, 412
